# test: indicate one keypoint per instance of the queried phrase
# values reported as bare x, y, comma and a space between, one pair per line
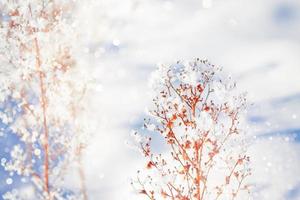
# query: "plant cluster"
198, 113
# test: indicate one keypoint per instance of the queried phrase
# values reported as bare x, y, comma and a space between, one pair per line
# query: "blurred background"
257, 42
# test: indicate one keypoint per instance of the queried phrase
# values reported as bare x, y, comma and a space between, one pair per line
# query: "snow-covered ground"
256, 41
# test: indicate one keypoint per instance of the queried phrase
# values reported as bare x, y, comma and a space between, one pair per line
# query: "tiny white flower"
9, 181
37, 152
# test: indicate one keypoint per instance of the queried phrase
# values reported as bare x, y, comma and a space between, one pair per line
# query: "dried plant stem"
45, 125
82, 176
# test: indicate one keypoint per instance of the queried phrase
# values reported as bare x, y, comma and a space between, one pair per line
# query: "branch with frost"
42, 94
198, 113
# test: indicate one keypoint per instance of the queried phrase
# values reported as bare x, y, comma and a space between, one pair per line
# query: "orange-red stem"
45, 125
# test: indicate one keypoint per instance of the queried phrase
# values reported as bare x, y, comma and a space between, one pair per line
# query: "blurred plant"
42, 95
198, 113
